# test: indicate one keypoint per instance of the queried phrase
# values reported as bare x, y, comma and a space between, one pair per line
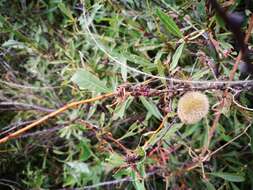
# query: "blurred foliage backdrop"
48, 58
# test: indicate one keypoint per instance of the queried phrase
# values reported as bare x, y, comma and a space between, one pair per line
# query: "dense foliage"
53, 52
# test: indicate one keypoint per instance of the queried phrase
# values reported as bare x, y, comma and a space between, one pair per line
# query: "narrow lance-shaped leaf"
229, 176
169, 24
176, 56
86, 80
123, 69
65, 10
151, 108
209, 186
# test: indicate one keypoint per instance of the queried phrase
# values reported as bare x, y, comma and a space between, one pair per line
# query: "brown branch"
105, 136
43, 132
14, 126
53, 114
133, 91
212, 130
22, 106
225, 94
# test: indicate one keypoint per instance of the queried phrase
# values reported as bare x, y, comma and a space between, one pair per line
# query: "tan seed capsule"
192, 107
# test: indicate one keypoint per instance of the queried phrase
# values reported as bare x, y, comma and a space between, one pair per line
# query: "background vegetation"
48, 58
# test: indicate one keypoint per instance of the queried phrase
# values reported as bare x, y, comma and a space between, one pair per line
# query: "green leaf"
200, 73
115, 160
151, 107
190, 130
139, 60
78, 167
86, 80
16, 45
120, 109
234, 187
169, 24
85, 151
134, 129
65, 10
10, 28
160, 66
209, 186
123, 69
138, 184
171, 132
176, 56
228, 176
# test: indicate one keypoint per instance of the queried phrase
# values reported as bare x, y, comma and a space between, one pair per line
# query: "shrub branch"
53, 114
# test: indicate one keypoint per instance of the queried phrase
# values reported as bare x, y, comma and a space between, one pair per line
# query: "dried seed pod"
192, 107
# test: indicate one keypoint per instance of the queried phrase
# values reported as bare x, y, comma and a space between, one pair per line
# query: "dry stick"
53, 114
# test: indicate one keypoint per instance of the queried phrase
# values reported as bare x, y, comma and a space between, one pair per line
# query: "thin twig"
14, 126
232, 140
239, 105
225, 94
112, 182
145, 146
193, 165
203, 157
14, 85
22, 106
175, 80
53, 114
46, 131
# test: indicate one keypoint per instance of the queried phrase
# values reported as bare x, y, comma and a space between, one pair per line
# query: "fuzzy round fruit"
192, 107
